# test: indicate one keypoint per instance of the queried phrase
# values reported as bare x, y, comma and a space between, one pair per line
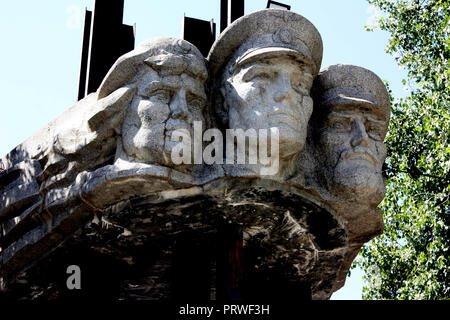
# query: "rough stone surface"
298, 34
97, 186
262, 68
286, 237
347, 130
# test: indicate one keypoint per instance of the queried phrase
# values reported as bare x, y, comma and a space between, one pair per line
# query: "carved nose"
179, 106
360, 136
284, 88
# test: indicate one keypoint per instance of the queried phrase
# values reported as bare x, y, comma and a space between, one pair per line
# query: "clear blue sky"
41, 46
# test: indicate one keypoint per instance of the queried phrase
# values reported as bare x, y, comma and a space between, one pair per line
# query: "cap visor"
272, 52
342, 102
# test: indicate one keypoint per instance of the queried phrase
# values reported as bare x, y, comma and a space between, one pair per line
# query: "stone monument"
126, 181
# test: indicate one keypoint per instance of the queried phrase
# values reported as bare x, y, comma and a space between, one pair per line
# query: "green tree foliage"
411, 259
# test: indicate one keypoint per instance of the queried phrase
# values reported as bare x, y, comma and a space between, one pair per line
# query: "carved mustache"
284, 109
292, 118
286, 113
288, 119
359, 153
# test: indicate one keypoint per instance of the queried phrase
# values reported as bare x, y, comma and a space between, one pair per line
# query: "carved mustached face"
272, 93
161, 105
353, 151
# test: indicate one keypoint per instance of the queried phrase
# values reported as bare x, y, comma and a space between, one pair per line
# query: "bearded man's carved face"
161, 105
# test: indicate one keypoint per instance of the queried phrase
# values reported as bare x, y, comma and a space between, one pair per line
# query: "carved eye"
262, 76
162, 96
375, 133
341, 125
196, 103
338, 126
300, 88
254, 75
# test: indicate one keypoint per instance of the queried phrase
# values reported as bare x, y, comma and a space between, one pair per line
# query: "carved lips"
285, 115
361, 154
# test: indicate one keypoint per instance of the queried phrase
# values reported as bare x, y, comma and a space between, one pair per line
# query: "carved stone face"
161, 105
353, 151
272, 93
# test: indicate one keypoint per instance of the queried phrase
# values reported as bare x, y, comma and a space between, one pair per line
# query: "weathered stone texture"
98, 187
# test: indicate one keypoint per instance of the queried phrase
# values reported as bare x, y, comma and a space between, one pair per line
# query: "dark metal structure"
105, 39
230, 10
84, 54
200, 33
277, 5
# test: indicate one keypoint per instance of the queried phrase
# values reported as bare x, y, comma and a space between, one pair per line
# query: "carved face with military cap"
266, 78
352, 118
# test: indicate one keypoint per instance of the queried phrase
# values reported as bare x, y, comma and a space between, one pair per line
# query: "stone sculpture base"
145, 248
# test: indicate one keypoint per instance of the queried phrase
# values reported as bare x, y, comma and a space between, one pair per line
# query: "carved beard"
357, 183
169, 145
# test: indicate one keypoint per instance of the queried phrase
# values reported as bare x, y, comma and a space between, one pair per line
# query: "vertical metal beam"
84, 54
277, 5
108, 40
107, 16
200, 33
223, 14
230, 10
236, 10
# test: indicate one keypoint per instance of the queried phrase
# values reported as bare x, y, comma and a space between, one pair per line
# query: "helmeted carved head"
263, 66
350, 120
169, 77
